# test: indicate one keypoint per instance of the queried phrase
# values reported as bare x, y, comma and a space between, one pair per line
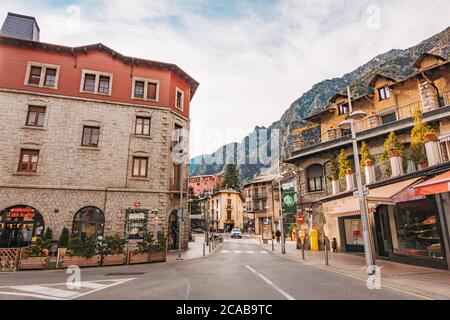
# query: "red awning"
439, 184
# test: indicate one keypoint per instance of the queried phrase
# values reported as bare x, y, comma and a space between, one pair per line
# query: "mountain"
396, 63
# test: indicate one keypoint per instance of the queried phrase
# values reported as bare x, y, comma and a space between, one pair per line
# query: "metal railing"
444, 99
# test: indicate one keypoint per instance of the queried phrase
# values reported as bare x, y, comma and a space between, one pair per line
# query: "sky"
253, 58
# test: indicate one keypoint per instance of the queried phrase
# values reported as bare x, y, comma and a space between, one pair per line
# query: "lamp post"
349, 124
280, 177
271, 223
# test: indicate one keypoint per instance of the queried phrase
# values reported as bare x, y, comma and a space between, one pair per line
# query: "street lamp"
271, 223
350, 124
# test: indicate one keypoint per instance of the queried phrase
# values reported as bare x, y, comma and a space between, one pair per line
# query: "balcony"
385, 121
258, 196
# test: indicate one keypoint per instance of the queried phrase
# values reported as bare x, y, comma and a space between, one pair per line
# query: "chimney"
20, 26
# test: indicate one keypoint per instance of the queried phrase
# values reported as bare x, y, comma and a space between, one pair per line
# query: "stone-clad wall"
70, 177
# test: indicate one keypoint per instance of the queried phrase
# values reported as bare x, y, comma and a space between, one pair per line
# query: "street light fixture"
349, 124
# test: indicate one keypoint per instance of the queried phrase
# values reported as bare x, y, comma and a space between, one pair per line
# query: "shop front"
20, 226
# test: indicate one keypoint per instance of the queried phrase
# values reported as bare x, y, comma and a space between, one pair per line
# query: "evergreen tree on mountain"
231, 177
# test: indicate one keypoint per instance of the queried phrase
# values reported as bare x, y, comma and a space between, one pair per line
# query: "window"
228, 215
89, 83
343, 109
42, 75
179, 99
103, 84
388, 118
35, 116
136, 223
28, 160
139, 167
264, 205
152, 91
139, 89
89, 222
50, 78
35, 75
142, 126
384, 93
315, 178
145, 89
96, 82
90, 136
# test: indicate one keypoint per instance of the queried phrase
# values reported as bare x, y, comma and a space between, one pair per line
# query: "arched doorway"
88, 222
173, 231
19, 226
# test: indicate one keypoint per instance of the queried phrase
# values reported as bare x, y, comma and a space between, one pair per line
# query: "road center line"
284, 293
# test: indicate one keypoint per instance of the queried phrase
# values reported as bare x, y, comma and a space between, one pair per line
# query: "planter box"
158, 257
136, 258
79, 261
33, 263
114, 260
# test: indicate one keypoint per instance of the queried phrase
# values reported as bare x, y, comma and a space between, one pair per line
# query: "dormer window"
96, 82
42, 75
384, 93
343, 109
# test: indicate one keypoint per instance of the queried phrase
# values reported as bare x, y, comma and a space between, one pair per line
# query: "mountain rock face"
397, 64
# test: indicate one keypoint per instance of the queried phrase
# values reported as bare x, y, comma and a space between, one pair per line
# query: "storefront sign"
135, 223
21, 213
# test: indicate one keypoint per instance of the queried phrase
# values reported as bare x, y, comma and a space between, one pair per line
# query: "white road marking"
225, 251
284, 293
51, 292
263, 252
250, 251
238, 251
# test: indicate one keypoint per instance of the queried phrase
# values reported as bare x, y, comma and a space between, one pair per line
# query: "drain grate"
125, 274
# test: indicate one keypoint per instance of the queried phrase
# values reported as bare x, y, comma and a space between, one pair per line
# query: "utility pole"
181, 213
283, 245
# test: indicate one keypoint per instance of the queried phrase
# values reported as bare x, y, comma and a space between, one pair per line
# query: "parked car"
236, 233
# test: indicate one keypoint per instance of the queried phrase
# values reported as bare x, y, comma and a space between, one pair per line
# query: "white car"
236, 233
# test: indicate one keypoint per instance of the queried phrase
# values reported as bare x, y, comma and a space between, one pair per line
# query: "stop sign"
300, 219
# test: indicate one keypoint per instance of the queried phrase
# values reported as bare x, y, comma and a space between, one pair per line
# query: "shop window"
28, 160
20, 226
35, 116
315, 178
89, 222
136, 224
418, 229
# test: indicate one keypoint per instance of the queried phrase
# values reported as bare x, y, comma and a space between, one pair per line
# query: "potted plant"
430, 136
420, 134
392, 143
334, 169
81, 252
394, 152
35, 257
112, 251
344, 165
142, 252
159, 248
367, 159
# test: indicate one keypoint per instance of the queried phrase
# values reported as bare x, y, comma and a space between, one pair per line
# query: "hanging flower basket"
430, 136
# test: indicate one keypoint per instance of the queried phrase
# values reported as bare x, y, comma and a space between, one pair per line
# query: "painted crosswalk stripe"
263, 252
250, 251
225, 251
237, 251
53, 292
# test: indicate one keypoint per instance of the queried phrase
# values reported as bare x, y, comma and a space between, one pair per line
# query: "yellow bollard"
314, 236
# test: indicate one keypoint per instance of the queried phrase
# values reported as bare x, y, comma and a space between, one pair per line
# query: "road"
239, 270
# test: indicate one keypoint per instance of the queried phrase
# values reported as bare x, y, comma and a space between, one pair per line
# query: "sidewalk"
195, 250
427, 282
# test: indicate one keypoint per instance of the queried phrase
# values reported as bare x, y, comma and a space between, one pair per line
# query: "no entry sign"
300, 219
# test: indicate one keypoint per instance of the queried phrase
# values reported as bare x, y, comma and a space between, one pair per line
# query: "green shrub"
64, 238
86, 248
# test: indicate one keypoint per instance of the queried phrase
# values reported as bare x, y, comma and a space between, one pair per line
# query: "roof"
423, 56
261, 179
336, 96
101, 47
11, 14
446, 63
380, 76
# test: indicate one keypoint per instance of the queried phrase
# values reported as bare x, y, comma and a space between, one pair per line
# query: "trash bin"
314, 236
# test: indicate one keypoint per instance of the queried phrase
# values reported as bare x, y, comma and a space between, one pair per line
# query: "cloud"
252, 58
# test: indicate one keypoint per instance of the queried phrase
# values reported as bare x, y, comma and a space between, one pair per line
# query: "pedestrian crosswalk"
61, 291
244, 252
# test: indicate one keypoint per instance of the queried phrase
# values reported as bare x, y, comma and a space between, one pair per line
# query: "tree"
231, 177
48, 236
418, 153
392, 142
64, 238
344, 164
334, 168
365, 155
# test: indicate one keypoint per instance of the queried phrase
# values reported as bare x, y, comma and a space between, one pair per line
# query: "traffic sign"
300, 219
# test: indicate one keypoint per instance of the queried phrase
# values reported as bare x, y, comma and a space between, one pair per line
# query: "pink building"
200, 184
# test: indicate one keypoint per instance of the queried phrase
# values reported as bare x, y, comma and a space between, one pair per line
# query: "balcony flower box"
158, 257
114, 260
394, 152
430, 137
79, 261
369, 163
137, 258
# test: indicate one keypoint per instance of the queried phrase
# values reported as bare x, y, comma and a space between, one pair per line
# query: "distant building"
202, 184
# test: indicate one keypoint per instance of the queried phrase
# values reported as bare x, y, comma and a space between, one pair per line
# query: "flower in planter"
349, 171
344, 164
430, 136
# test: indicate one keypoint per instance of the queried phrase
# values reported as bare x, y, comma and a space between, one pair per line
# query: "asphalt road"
239, 270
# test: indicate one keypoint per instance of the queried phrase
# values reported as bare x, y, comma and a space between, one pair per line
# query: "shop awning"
387, 195
436, 185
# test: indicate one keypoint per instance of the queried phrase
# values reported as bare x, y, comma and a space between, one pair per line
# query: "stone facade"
70, 177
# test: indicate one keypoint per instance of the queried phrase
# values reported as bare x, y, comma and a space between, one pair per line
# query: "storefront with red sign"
20, 226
